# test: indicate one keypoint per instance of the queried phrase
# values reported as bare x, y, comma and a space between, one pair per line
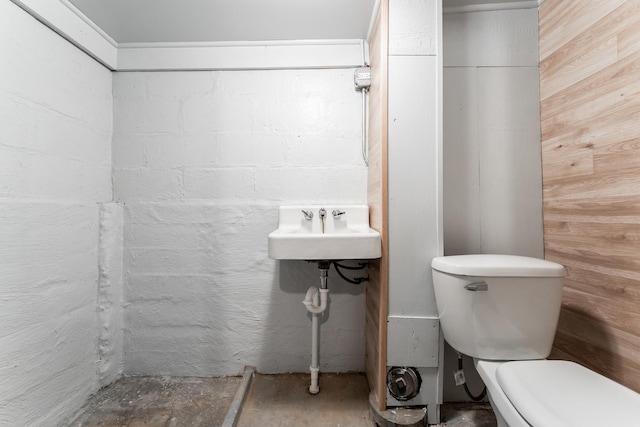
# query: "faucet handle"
308, 215
337, 213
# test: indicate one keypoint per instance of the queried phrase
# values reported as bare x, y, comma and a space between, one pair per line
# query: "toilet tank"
498, 307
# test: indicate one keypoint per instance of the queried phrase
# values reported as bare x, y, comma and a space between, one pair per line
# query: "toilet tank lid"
489, 265
564, 394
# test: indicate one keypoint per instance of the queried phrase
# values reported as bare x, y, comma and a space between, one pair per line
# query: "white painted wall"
492, 164
202, 160
55, 173
492, 176
110, 293
415, 231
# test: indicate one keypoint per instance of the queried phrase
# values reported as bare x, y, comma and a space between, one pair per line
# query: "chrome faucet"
323, 213
308, 215
337, 213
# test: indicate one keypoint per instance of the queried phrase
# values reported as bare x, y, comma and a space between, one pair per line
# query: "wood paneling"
561, 21
377, 287
590, 112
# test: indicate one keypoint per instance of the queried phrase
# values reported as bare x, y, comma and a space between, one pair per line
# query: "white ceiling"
188, 21
137, 21
458, 3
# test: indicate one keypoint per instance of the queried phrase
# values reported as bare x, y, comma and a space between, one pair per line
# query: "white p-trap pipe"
311, 302
308, 300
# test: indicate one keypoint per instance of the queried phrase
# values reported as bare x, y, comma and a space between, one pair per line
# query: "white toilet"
503, 310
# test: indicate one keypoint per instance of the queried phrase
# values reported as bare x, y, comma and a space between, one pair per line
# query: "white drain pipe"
316, 302
311, 298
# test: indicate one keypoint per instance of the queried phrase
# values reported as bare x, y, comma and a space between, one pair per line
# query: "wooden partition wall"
590, 111
377, 287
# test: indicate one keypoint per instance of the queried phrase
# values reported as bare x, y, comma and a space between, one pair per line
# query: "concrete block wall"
55, 174
202, 160
110, 303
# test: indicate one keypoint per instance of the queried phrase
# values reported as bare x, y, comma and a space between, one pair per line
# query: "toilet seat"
506, 413
562, 393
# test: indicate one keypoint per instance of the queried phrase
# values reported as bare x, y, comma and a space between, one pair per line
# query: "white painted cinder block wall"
202, 160
60, 235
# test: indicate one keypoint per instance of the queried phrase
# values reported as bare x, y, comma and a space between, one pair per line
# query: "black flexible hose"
466, 389
361, 266
356, 280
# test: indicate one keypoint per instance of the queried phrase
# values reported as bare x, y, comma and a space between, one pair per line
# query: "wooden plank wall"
377, 287
590, 112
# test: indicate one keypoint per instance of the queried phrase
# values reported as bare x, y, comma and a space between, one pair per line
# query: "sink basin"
347, 236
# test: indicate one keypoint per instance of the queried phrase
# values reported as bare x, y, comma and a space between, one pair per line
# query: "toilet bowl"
503, 311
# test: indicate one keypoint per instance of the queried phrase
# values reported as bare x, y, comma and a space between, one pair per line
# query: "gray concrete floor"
285, 401
467, 415
160, 402
272, 400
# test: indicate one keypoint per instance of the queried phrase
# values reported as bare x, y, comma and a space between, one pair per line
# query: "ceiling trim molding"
65, 19
490, 7
73, 26
374, 16
89, 22
266, 43
241, 55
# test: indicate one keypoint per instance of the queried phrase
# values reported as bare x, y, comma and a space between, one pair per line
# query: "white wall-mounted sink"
346, 236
